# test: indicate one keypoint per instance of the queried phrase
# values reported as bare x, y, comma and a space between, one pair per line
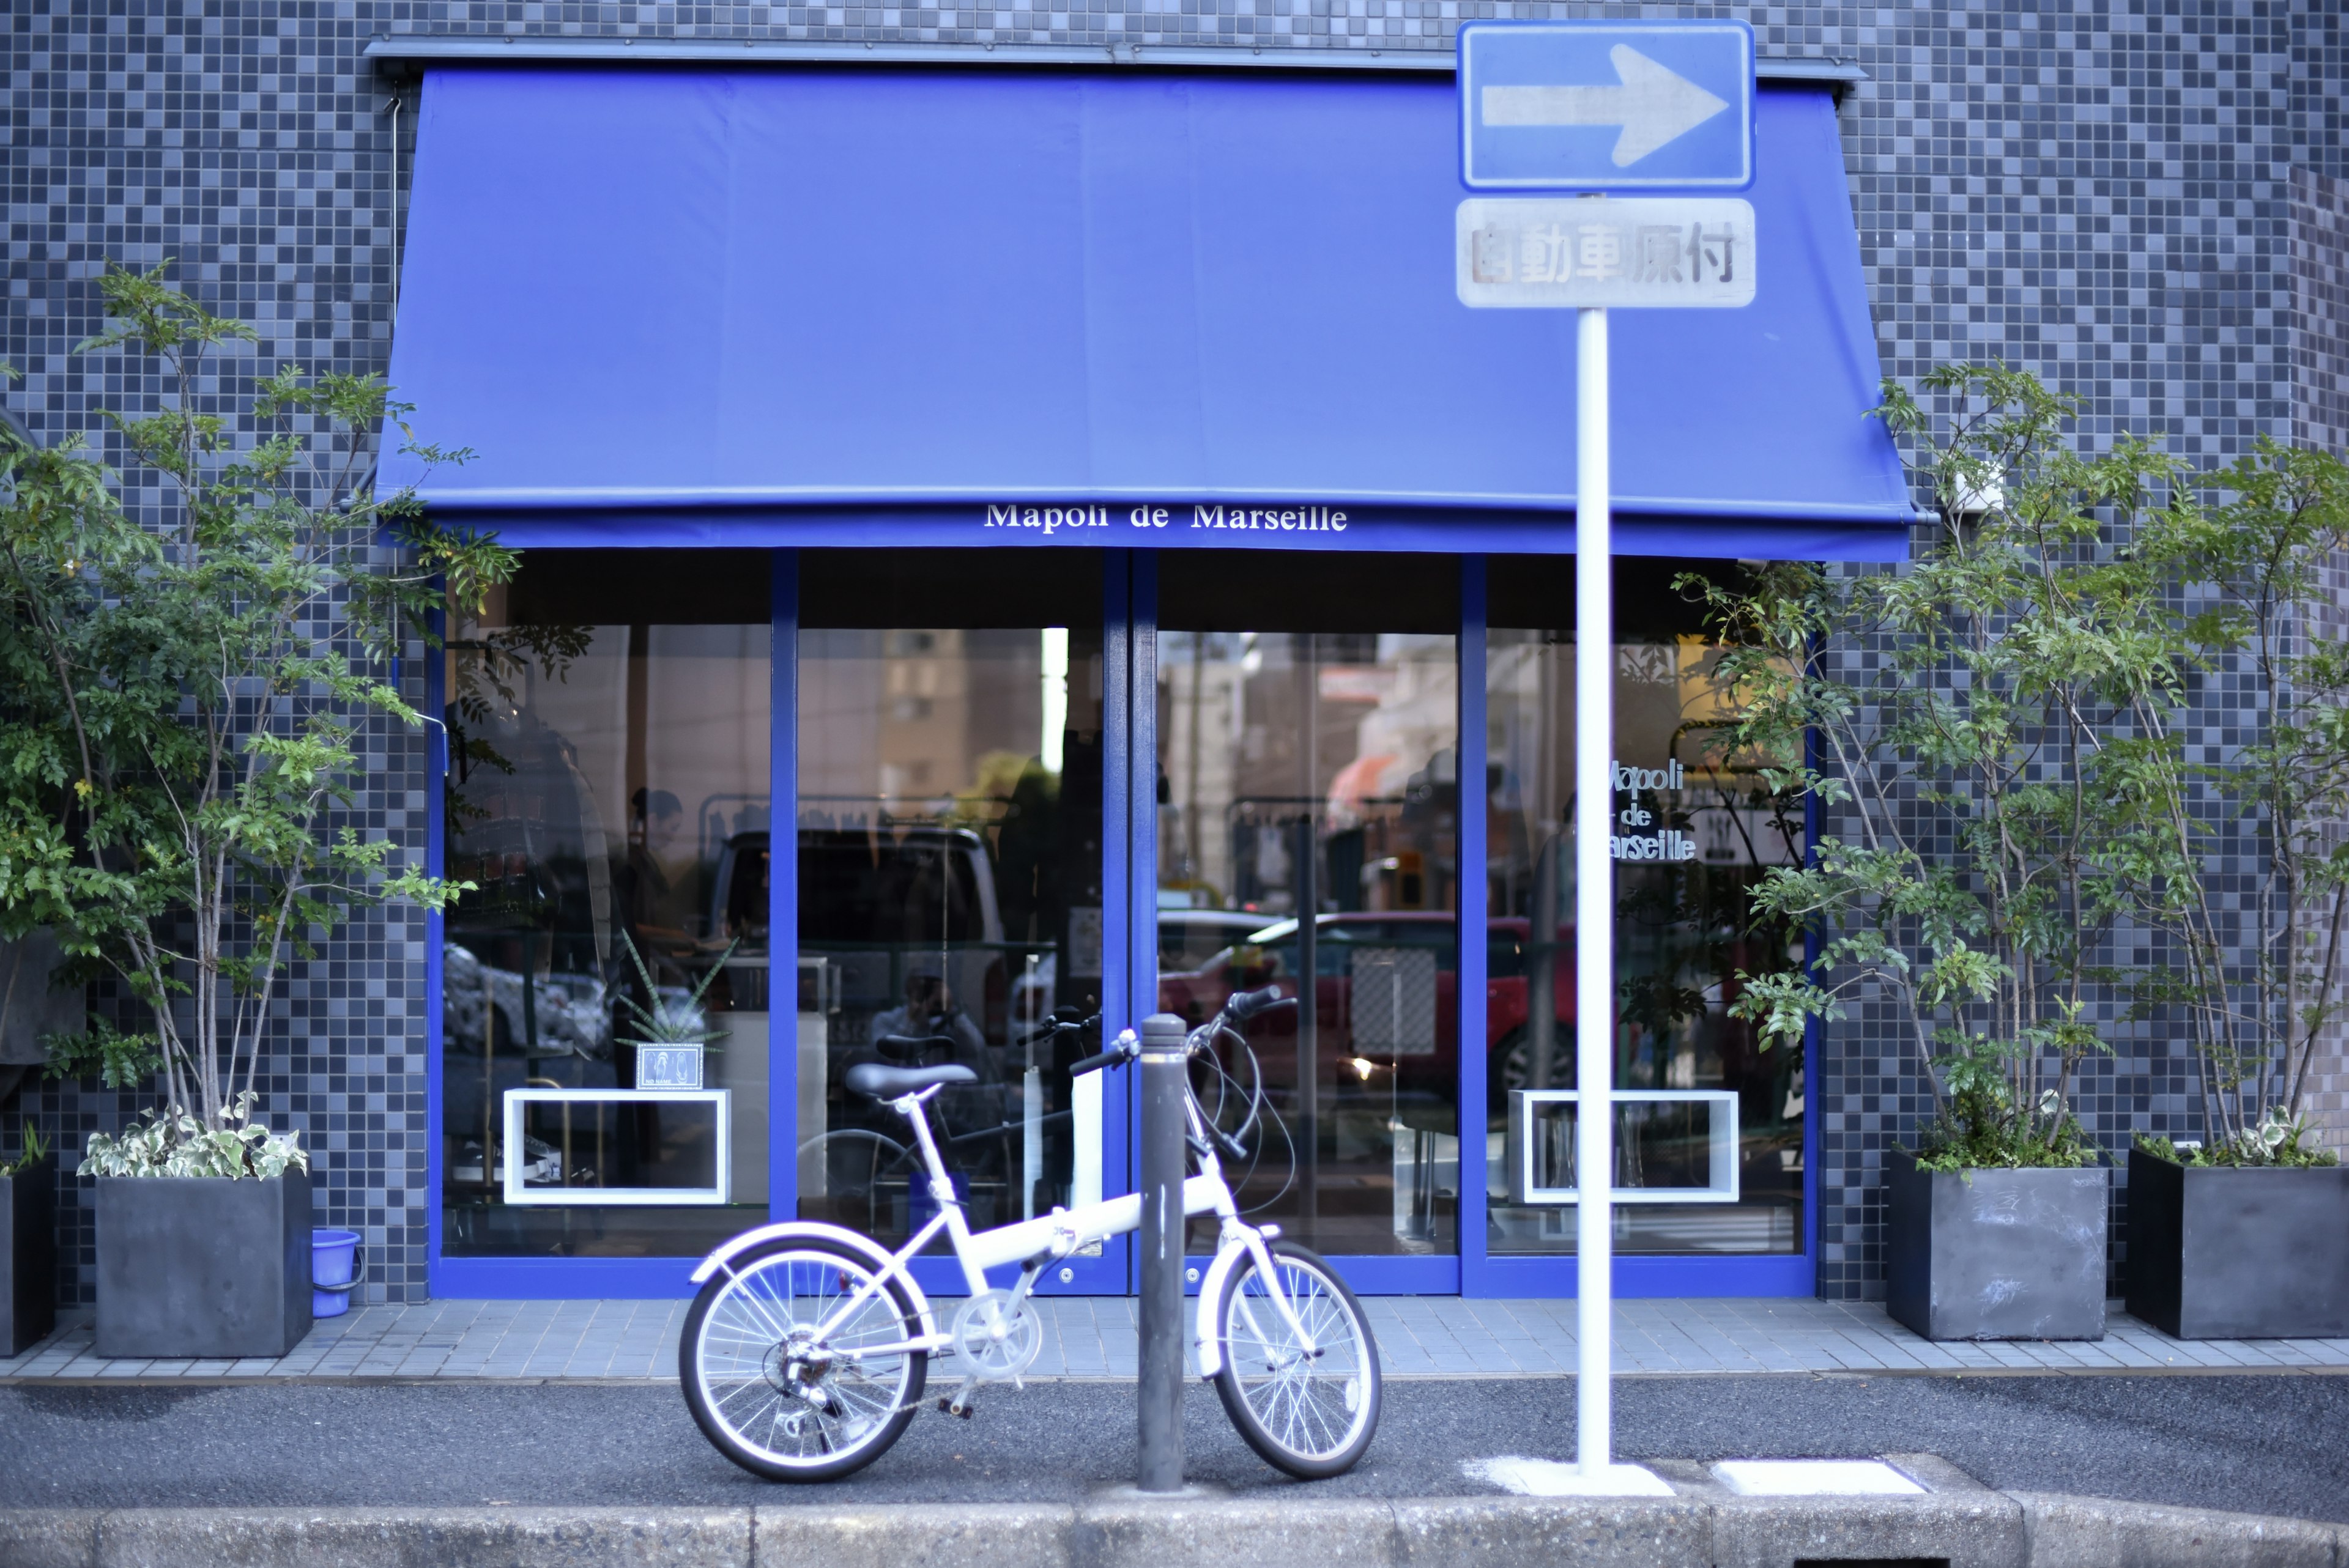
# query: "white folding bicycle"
808, 1347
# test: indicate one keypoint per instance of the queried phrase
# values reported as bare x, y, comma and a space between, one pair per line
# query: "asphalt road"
2262, 1445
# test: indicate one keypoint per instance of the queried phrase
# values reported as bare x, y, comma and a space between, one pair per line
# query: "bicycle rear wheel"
771, 1397
1312, 1415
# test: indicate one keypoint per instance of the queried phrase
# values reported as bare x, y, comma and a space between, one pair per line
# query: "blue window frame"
1129, 587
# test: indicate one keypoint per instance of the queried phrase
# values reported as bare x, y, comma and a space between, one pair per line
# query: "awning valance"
892, 306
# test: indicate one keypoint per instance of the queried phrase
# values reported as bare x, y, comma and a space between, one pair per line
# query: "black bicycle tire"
690, 1380
1235, 1406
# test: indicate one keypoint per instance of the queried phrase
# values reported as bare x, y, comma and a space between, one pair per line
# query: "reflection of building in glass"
1261, 731
1202, 725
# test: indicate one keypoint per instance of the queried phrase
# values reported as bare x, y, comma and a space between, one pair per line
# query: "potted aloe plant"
2243, 1233
1956, 721
28, 1244
184, 703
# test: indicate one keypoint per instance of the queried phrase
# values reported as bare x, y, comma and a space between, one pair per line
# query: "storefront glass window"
1308, 725
1695, 826
605, 989
949, 860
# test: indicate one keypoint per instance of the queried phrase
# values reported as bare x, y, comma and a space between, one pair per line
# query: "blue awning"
888, 306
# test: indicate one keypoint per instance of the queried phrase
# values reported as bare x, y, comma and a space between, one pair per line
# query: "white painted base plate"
1815, 1478
1553, 1478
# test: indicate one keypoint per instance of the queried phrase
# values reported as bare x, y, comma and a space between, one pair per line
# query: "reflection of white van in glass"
869, 902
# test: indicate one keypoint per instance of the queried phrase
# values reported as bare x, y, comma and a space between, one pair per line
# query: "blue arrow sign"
1606, 106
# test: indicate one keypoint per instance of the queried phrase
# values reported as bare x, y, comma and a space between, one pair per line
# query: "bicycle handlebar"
1124, 1048
1246, 1005
1052, 1028
1238, 1008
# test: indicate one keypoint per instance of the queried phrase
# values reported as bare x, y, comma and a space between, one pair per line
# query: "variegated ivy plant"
175, 1143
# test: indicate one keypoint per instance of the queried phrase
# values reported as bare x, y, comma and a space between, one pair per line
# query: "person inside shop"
931, 1009
657, 906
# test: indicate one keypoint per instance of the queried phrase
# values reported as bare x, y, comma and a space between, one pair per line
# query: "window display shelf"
520, 1165
1527, 1169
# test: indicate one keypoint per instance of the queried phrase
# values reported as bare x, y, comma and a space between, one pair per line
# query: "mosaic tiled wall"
2320, 309
2320, 417
2097, 191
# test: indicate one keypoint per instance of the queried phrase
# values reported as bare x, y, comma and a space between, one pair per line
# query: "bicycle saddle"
878, 1081
909, 1050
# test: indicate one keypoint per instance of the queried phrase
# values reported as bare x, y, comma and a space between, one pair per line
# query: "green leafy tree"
2260, 977
1984, 718
185, 696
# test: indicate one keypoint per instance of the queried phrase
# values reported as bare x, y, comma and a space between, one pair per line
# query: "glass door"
1306, 837
948, 861
1710, 1127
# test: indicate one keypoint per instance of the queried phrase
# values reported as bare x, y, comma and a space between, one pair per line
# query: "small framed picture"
668, 1067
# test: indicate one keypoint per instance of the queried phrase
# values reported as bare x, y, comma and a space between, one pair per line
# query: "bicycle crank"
997, 1336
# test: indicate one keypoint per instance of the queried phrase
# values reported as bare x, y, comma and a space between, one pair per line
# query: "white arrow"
1653, 104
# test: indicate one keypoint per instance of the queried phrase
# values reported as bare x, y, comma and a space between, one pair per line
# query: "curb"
669, 1380
1957, 1525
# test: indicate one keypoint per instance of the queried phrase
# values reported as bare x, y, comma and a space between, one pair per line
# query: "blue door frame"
1129, 992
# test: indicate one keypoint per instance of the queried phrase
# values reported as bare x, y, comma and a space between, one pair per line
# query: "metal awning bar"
408, 52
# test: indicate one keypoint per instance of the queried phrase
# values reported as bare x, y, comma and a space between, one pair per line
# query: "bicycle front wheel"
1310, 1415
776, 1398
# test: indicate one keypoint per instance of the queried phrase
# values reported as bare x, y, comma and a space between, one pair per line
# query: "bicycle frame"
1035, 1244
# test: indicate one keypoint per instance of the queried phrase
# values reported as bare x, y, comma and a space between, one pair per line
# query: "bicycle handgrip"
1094, 1063
1249, 1004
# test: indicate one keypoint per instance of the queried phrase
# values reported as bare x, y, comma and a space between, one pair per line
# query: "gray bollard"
1161, 1392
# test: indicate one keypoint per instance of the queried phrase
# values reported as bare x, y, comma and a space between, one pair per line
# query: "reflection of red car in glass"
1408, 1032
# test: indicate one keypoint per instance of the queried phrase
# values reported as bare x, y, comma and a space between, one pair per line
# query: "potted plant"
203, 1237
2244, 1231
2245, 1239
669, 1023
28, 1245
1962, 724
1995, 1226
184, 702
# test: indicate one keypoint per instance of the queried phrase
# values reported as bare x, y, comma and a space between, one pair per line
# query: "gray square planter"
28, 1256
2229, 1253
203, 1266
1996, 1254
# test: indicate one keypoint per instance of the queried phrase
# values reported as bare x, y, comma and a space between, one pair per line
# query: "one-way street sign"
1606, 106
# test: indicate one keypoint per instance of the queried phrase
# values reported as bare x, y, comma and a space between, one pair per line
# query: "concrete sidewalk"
1094, 1337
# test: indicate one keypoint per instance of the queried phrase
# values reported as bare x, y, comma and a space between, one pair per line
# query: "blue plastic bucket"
333, 1271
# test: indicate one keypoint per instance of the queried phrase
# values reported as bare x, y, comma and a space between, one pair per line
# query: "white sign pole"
1588, 252
1594, 902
